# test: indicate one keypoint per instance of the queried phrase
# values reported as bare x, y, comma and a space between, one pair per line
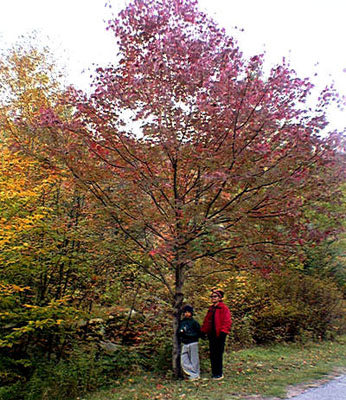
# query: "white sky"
309, 33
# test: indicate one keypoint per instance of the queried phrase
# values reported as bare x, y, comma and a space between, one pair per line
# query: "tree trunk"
177, 372
178, 301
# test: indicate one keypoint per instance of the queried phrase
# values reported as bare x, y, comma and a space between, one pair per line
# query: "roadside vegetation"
266, 371
106, 233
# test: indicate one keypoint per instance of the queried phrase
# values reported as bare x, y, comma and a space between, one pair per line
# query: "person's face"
215, 299
187, 314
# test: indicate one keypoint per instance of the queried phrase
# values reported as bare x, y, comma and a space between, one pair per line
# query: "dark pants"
216, 348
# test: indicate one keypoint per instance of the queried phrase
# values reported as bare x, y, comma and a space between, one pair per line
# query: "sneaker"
218, 377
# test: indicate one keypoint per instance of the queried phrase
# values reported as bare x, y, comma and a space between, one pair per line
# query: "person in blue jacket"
189, 332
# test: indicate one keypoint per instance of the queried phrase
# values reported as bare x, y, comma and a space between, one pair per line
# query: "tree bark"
178, 301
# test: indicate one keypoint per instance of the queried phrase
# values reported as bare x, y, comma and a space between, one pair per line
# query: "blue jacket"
189, 331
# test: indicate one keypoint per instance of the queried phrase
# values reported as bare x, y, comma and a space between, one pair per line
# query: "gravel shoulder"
301, 391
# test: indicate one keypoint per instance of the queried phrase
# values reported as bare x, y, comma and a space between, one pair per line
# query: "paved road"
333, 390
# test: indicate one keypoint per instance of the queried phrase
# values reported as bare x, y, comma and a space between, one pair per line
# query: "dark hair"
187, 308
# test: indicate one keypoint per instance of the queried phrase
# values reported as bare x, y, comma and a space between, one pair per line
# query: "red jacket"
223, 320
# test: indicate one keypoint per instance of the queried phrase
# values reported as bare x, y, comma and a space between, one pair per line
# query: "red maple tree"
193, 150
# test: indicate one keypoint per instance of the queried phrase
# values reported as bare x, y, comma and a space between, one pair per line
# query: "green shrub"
286, 306
87, 368
162, 358
12, 391
242, 331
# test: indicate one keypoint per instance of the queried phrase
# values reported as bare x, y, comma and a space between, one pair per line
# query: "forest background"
187, 167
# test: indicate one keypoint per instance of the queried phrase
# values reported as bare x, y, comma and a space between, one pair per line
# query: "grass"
261, 371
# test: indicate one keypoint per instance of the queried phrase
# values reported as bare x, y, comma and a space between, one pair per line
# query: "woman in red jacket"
217, 324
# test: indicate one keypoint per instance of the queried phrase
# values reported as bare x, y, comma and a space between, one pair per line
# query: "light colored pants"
190, 360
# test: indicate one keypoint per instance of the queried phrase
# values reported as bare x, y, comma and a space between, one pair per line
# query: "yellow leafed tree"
23, 184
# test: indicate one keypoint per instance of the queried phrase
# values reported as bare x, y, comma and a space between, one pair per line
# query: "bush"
287, 306
87, 368
242, 331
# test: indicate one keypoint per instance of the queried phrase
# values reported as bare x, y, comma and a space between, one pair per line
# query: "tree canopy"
195, 152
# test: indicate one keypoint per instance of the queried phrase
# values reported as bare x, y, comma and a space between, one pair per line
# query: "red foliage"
222, 150
196, 152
